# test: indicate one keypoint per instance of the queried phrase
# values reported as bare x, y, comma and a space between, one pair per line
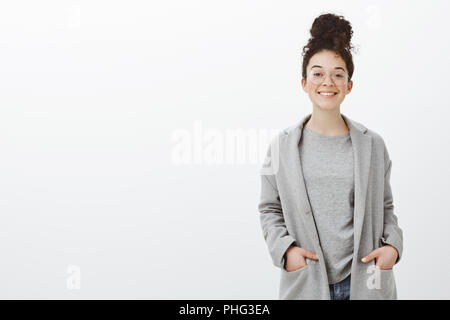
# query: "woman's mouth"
327, 95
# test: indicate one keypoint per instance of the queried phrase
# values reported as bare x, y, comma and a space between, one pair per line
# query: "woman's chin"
327, 106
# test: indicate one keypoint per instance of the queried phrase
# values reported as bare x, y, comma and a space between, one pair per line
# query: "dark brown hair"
330, 32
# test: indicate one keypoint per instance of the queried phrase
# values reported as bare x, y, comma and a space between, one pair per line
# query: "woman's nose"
328, 79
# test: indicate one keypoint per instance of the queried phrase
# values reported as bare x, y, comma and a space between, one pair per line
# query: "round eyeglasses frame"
338, 77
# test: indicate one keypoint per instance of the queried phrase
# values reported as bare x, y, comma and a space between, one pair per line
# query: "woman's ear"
304, 85
349, 86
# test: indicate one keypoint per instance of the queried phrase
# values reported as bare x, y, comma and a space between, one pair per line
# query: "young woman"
326, 207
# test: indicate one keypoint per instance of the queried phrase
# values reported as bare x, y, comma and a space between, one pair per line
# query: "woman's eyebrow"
316, 66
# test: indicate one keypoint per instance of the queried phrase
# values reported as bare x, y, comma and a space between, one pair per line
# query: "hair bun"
333, 28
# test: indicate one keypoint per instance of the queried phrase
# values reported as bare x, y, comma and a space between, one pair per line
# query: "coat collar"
362, 152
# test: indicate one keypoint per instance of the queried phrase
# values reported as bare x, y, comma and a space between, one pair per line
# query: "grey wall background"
93, 93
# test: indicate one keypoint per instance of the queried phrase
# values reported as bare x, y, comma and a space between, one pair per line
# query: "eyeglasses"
339, 77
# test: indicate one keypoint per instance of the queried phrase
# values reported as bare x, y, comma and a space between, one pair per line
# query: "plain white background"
91, 93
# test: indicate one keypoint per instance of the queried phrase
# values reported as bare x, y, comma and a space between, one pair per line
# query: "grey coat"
286, 216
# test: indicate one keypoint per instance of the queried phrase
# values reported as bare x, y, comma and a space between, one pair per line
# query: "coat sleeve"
392, 233
272, 221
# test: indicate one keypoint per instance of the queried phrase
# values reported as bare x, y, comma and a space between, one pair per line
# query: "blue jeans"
340, 290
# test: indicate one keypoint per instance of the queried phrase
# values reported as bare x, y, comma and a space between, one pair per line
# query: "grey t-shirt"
327, 164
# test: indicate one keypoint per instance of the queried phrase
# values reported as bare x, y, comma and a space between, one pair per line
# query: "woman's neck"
327, 122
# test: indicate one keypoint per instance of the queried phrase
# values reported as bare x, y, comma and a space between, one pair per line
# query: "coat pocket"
381, 284
297, 275
308, 263
300, 283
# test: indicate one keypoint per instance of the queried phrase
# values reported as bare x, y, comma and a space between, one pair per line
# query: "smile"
328, 94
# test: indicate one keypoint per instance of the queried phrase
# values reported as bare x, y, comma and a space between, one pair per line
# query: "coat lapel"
362, 152
362, 148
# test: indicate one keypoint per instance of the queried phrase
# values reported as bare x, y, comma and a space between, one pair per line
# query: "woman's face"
326, 72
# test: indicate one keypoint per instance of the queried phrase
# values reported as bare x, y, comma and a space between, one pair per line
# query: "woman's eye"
339, 75
316, 74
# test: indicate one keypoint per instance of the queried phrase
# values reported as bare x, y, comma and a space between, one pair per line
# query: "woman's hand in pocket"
296, 258
386, 256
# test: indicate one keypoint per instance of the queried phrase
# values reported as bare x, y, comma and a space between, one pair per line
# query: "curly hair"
330, 32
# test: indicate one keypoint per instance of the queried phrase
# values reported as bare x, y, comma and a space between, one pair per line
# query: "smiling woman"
327, 212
